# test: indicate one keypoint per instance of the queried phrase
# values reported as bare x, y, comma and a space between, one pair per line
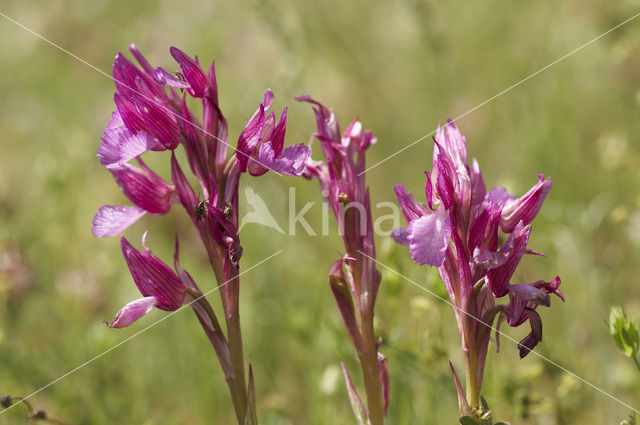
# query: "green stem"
471, 361
237, 384
371, 372
234, 334
473, 397
635, 360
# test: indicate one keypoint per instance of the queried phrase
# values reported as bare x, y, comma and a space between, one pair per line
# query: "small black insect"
227, 210
201, 209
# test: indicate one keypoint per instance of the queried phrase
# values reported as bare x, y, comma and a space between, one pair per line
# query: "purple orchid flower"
458, 231
159, 285
261, 144
354, 279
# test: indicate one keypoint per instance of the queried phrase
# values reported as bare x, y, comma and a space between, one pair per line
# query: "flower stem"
230, 297
234, 334
635, 360
371, 372
473, 398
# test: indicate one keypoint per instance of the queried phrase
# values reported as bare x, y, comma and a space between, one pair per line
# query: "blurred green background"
402, 67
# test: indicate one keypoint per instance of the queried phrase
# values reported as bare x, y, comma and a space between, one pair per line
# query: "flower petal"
400, 235
453, 142
478, 189
291, 162
163, 76
153, 277
534, 337
141, 59
429, 237
144, 188
160, 121
132, 312
129, 114
410, 208
277, 136
249, 138
526, 207
112, 220
194, 75
531, 294
119, 145
515, 247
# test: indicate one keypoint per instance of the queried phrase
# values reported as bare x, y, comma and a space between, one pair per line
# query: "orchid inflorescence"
152, 117
459, 232
354, 279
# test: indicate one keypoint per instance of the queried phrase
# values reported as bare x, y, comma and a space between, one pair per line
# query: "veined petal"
453, 143
291, 162
428, 190
550, 287
119, 146
144, 188
526, 207
499, 195
187, 195
515, 247
429, 237
534, 337
267, 100
112, 220
141, 59
249, 138
129, 114
531, 294
163, 76
192, 72
328, 128
478, 188
445, 175
277, 137
410, 208
400, 235
132, 312
160, 122
126, 76
153, 277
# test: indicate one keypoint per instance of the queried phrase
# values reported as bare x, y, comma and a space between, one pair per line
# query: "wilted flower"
458, 230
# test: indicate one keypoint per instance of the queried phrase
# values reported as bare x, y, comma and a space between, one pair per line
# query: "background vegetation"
400, 66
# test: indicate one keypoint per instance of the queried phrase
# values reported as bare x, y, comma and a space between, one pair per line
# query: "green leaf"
502, 423
360, 412
485, 405
624, 332
468, 420
251, 417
